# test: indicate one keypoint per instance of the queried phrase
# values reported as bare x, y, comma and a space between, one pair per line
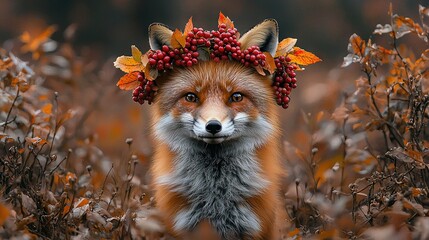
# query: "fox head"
215, 103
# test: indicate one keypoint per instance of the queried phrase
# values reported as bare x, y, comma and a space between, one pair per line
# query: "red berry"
165, 48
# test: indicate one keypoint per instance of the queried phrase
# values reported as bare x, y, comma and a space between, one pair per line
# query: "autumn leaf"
33, 44
285, 46
128, 81
145, 58
356, 45
150, 73
70, 177
136, 53
405, 25
47, 109
302, 57
270, 64
35, 140
322, 167
5, 64
69, 114
128, 64
225, 20
82, 202
66, 209
4, 213
188, 27
177, 39
260, 70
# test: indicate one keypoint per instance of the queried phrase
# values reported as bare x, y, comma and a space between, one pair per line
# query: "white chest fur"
216, 182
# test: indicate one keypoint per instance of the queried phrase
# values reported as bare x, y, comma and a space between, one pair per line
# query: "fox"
216, 162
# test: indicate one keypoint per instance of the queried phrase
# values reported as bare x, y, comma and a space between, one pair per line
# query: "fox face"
216, 132
214, 103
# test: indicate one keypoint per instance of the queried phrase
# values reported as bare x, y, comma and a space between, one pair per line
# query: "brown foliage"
367, 176
360, 172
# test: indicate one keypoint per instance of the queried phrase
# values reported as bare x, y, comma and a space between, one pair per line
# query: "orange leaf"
33, 44
225, 20
270, 64
128, 64
137, 54
3, 135
66, 116
293, 233
66, 209
260, 70
82, 202
178, 40
128, 81
285, 46
415, 192
302, 57
323, 167
188, 27
356, 45
47, 109
35, 140
4, 213
70, 177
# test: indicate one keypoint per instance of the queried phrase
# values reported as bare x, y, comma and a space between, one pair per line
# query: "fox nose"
213, 126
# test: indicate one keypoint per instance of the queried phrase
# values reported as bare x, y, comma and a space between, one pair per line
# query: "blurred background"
100, 30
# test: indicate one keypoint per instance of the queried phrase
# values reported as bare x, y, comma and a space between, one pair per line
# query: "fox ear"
159, 34
265, 35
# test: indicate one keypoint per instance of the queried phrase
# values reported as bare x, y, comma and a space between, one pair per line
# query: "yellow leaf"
177, 39
150, 73
145, 58
137, 54
188, 27
225, 20
128, 64
285, 46
47, 109
302, 57
4, 213
128, 81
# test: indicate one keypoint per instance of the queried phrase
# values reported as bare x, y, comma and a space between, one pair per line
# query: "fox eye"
236, 97
191, 97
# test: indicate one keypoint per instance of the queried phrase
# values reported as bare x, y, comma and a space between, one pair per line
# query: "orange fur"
211, 81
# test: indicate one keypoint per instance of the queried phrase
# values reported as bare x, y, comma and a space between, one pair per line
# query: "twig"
10, 110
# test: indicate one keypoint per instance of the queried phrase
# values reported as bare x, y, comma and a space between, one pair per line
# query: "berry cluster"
222, 45
225, 44
284, 80
196, 38
253, 57
161, 59
146, 91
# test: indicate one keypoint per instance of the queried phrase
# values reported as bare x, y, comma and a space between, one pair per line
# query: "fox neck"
216, 179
